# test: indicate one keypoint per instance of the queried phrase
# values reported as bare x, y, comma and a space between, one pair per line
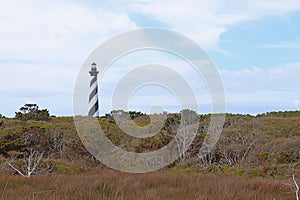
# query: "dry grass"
108, 184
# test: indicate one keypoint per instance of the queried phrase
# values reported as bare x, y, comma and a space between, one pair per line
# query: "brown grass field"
109, 184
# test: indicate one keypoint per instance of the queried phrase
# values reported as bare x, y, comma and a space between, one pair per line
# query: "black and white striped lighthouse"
93, 98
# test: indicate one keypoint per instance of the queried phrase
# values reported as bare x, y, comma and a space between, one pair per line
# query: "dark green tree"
32, 112
1, 120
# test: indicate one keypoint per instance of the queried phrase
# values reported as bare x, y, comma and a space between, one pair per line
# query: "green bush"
286, 156
32, 112
253, 173
239, 171
181, 168
263, 156
70, 168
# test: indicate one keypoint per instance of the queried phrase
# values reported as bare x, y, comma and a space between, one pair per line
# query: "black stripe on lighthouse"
94, 80
93, 93
94, 109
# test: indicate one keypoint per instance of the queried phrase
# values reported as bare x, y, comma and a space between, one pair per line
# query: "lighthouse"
93, 97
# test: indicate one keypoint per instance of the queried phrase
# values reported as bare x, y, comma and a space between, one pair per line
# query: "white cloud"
296, 103
270, 89
43, 44
205, 21
33, 80
67, 31
278, 78
55, 30
254, 89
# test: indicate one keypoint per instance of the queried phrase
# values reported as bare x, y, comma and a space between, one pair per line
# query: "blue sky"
254, 44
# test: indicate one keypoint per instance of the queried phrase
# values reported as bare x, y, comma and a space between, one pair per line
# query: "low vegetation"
255, 158
107, 184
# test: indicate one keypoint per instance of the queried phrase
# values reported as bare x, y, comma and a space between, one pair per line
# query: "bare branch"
296, 186
14, 168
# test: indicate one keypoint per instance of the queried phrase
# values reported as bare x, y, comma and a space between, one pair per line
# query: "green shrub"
181, 168
286, 156
263, 156
253, 173
70, 168
239, 171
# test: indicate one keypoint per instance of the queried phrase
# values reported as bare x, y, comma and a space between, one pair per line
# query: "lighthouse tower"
93, 98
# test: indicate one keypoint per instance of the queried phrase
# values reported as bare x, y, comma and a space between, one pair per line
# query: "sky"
254, 44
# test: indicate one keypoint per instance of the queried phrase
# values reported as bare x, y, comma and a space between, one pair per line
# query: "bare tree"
232, 148
293, 181
296, 186
209, 160
32, 158
30, 164
185, 131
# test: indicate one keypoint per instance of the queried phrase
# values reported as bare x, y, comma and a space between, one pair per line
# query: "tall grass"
108, 184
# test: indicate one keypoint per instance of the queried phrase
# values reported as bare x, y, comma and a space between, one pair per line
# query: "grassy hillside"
263, 145
253, 159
